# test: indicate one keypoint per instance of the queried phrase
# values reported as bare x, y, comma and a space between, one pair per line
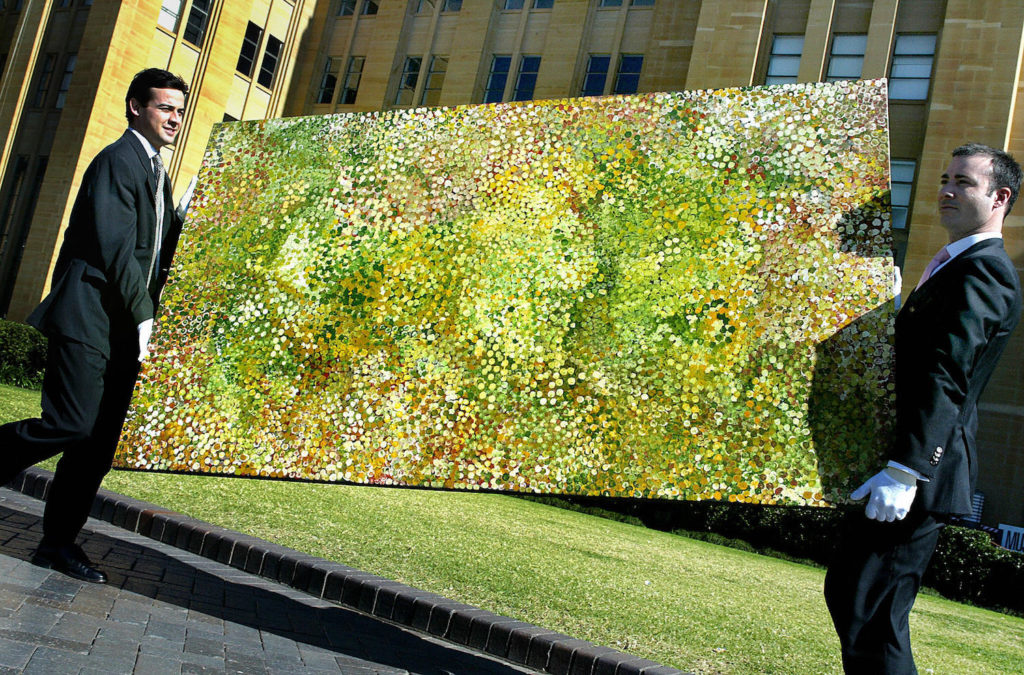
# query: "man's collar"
146, 145
960, 245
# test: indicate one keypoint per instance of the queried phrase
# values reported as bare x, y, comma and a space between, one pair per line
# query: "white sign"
1013, 537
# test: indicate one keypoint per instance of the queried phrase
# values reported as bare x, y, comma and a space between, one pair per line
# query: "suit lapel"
145, 165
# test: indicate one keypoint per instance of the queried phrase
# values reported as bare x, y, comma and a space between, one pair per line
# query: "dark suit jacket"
102, 287
949, 335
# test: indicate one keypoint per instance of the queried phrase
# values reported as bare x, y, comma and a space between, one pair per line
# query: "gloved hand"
145, 330
892, 492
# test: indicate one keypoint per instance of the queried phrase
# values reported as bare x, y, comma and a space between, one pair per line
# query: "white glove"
892, 492
145, 330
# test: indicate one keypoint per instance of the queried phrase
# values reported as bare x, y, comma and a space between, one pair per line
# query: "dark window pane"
597, 74
497, 79
250, 45
198, 18
271, 56
352, 77
329, 80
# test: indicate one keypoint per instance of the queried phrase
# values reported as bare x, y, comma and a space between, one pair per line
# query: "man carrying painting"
950, 333
99, 316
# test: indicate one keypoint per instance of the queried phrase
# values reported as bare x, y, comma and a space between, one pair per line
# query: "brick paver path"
166, 610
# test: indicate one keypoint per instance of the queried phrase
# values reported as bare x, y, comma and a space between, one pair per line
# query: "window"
329, 80
496, 79
369, 7
14, 244
846, 61
170, 14
43, 83
784, 60
446, 6
271, 56
641, 3
250, 46
410, 75
352, 77
627, 80
20, 168
527, 80
346, 7
902, 181
543, 4
597, 73
514, 4
198, 18
435, 80
65, 80
229, 118
911, 67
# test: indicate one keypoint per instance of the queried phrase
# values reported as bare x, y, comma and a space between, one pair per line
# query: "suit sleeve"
944, 358
115, 198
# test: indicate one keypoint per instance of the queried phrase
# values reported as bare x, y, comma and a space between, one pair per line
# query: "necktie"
158, 169
940, 257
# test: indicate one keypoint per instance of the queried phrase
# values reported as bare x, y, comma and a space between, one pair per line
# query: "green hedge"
22, 355
967, 565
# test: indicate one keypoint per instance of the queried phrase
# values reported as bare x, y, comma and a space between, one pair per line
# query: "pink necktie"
940, 257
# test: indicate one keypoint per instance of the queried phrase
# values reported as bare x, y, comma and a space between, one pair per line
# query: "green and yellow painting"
674, 295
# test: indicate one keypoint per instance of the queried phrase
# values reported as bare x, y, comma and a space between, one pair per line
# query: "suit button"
936, 456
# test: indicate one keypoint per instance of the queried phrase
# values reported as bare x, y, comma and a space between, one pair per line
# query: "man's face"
967, 202
159, 119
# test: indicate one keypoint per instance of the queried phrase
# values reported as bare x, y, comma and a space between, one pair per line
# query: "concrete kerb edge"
501, 636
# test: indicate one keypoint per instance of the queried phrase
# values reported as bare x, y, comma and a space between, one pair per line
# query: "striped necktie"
158, 169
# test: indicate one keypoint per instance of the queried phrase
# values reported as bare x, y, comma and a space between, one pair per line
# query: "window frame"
274, 59
787, 57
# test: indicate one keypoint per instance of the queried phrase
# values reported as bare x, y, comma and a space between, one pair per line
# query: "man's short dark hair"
151, 78
1005, 169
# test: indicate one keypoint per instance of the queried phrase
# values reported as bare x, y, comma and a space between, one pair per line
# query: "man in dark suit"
99, 316
949, 336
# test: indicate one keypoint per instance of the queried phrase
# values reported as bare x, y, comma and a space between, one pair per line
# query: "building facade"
954, 70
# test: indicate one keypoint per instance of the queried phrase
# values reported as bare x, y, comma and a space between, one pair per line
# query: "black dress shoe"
70, 560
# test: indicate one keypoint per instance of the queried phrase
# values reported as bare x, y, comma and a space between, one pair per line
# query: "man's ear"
1002, 196
134, 107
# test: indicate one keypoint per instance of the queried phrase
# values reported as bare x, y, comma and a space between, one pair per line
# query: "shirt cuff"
907, 469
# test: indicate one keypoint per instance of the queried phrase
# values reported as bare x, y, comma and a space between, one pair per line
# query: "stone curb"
516, 641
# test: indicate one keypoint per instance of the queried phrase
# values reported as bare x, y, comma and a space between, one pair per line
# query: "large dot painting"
676, 295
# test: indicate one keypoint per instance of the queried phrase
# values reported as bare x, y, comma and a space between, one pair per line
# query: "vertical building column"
21, 61
816, 41
725, 47
383, 58
669, 52
881, 32
468, 57
562, 46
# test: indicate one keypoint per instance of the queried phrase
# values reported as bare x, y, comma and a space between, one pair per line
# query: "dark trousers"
871, 586
85, 397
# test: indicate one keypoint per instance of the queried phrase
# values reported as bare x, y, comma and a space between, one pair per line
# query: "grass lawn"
685, 603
